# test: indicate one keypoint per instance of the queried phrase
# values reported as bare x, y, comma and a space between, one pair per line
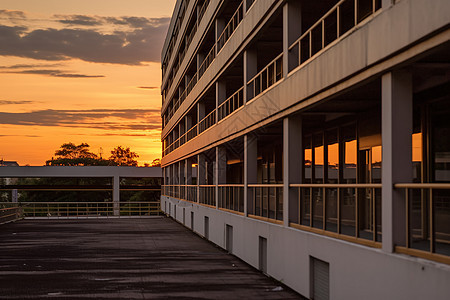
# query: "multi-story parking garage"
311, 139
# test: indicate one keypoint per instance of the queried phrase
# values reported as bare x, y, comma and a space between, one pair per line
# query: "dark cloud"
78, 20
26, 135
12, 14
15, 102
138, 41
127, 119
54, 73
148, 87
29, 66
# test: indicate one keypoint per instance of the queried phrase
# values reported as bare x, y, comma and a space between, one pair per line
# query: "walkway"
154, 258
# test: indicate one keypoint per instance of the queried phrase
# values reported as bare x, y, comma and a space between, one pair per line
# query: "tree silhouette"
122, 156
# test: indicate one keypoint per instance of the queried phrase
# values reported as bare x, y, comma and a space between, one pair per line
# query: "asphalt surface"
154, 258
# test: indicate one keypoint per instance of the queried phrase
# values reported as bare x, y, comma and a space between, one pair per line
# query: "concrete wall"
356, 271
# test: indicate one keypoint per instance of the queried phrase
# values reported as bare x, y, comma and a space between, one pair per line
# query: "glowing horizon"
86, 72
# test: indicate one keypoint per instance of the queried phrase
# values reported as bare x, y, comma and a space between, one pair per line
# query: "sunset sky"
80, 71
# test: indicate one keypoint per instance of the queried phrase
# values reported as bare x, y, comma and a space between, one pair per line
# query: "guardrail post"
396, 132
292, 30
116, 195
292, 151
250, 171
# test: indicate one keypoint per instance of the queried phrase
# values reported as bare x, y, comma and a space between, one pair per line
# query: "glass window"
376, 164
417, 156
307, 159
318, 158
317, 207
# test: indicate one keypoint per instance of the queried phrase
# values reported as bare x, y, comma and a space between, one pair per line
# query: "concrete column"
182, 172
221, 96
292, 30
116, 195
201, 172
200, 59
250, 170
396, 131
250, 70
188, 122
292, 171
220, 173
14, 196
181, 128
219, 27
188, 171
200, 111
187, 79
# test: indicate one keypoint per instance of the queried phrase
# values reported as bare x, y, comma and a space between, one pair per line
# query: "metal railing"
345, 15
9, 212
231, 104
207, 121
344, 209
266, 200
231, 196
191, 193
267, 77
230, 27
89, 209
191, 35
207, 61
207, 194
427, 228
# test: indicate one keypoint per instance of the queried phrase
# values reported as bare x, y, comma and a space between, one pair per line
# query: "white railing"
89, 209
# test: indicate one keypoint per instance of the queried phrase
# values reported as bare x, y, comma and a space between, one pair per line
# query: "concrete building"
311, 139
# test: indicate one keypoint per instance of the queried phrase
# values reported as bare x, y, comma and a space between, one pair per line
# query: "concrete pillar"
221, 96
396, 131
188, 122
182, 172
116, 195
292, 30
200, 59
201, 172
219, 27
200, 111
292, 170
250, 170
188, 171
220, 170
187, 79
250, 70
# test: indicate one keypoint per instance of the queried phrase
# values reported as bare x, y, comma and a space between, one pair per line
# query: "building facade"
312, 140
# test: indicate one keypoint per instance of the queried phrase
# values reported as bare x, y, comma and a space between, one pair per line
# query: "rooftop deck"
122, 258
